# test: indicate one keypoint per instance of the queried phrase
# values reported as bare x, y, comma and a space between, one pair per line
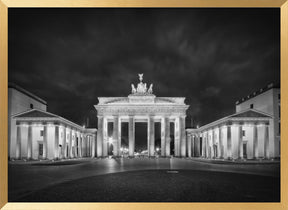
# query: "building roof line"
26, 92
231, 117
54, 116
258, 92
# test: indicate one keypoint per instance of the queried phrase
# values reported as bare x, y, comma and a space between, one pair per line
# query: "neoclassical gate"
141, 106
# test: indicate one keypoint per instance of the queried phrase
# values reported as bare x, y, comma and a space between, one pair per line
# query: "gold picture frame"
5, 4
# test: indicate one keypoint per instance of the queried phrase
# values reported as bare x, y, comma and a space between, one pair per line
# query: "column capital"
220, 126
227, 124
248, 124
236, 123
21, 123
260, 123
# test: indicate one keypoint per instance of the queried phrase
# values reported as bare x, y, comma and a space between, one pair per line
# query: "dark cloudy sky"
213, 57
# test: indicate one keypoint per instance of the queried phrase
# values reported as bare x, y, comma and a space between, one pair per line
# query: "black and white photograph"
144, 105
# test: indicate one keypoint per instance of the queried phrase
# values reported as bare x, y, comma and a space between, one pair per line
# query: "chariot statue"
133, 89
141, 87
150, 91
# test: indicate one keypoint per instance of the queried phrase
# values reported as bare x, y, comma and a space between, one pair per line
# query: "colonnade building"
252, 132
242, 135
34, 133
266, 99
43, 135
19, 100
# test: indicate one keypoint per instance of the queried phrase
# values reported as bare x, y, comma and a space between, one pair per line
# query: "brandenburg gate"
141, 106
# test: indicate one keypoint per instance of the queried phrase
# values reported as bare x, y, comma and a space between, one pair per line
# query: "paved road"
26, 177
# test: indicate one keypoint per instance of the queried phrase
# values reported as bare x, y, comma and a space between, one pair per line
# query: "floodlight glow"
110, 140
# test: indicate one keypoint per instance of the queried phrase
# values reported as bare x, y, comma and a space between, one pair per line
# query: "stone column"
83, 145
45, 138
229, 142
80, 145
76, 144
255, 141
93, 146
240, 142
213, 143
70, 144
177, 137
119, 136
131, 136
99, 136
221, 152
116, 148
167, 136
56, 143
189, 144
203, 144
64, 153
105, 137
198, 145
163, 136
151, 136
85, 142
266, 141
18, 142
88, 145
29, 143
207, 145
182, 136
192, 145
